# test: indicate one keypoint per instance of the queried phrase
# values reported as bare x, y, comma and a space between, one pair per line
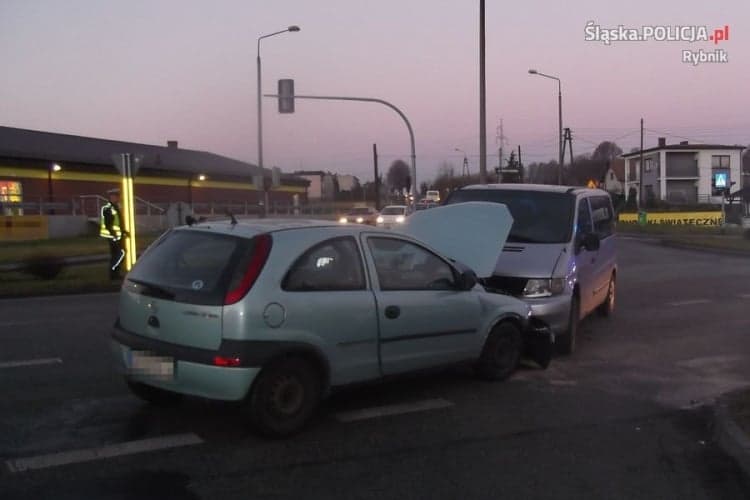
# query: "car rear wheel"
567, 342
501, 353
607, 308
284, 397
154, 395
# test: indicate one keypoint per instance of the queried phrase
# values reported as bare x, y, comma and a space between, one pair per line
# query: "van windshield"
538, 216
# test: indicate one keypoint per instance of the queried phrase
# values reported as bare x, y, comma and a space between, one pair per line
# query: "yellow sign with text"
675, 218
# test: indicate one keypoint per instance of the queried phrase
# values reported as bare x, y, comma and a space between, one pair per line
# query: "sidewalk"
732, 426
83, 259
720, 244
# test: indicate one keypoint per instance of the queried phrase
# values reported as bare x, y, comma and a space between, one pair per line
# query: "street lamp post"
291, 29
560, 134
50, 196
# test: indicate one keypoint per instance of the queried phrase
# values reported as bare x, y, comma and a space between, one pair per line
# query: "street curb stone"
729, 436
701, 248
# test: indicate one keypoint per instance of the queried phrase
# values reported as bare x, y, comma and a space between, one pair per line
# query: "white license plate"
146, 363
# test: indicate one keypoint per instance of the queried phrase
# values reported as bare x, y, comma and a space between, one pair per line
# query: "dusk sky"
151, 71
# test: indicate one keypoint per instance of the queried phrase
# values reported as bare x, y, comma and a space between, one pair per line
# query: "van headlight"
400, 219
537, 288
379, 220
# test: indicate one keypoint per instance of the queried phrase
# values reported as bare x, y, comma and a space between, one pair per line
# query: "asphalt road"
628, 416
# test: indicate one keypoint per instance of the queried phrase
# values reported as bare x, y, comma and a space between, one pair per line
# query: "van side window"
601, 213
583, 226
332, 265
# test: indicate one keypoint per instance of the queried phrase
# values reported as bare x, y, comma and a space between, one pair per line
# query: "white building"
347, 182
614, 178
685, 173
321, 184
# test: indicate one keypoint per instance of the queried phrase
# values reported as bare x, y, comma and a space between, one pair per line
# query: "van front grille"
511, 286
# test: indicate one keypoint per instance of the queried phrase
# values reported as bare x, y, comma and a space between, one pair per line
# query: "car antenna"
232, 218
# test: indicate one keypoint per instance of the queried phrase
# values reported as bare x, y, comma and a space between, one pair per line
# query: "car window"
583, 225
601, 214
194, 266
402, 265
332, 265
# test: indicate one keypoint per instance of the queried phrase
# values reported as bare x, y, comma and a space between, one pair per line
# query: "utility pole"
377, 176
500, 138
520, 166
640, 171
482, 102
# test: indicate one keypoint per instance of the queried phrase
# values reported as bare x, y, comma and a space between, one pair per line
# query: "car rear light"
226, 362
261, 250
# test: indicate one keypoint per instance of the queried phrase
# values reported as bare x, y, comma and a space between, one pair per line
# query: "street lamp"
291, 29
559, 107
55, 167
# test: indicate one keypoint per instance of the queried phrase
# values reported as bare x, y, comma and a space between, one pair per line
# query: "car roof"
394, 206
548, 188
248, 228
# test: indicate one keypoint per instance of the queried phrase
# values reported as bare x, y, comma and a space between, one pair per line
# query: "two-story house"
685, 173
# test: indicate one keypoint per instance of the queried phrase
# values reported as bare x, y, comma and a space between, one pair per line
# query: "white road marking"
30, 362
89, 454
389, 410
689, 302
745, 295
563, 382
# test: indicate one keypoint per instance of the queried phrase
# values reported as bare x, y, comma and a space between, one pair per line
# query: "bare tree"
398, 177
606, 150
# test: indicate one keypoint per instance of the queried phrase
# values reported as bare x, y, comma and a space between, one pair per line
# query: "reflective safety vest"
115, 214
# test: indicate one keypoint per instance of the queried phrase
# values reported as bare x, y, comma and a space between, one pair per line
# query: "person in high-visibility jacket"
110, 227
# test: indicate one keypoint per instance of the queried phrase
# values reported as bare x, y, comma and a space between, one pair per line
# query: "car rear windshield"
538, 216
393, 211
195, 267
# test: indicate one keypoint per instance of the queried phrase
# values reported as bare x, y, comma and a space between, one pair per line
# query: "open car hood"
472, 233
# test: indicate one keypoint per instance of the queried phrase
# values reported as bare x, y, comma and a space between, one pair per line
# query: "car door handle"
392, 312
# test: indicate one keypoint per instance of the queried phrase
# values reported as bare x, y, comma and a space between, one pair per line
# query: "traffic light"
286, 95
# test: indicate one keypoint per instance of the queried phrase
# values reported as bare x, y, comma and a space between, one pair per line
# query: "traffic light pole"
413, 190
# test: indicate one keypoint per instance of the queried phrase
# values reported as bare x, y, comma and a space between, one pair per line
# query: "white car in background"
392, 215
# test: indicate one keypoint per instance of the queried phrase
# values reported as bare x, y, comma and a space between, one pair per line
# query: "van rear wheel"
284, 397
567, 342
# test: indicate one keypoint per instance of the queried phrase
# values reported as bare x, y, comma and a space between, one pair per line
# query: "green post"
642, 217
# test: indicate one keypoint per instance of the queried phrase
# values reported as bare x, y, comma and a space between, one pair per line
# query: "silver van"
560, 254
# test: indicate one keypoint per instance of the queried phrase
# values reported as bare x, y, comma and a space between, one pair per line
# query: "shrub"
44, 267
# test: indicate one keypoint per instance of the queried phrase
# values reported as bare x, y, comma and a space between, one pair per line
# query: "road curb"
729, 436
69, 261
701, 248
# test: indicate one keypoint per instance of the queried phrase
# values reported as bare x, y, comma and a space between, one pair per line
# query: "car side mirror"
590, 242
467, 279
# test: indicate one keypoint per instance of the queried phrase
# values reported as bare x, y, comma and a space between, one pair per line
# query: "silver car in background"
560, 254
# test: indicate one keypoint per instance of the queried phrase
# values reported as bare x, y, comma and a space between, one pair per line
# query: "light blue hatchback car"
277, 313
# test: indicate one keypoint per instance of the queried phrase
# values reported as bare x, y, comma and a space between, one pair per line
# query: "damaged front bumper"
539, 342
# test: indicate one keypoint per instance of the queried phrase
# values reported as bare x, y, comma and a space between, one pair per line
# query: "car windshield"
538, 216
393, 211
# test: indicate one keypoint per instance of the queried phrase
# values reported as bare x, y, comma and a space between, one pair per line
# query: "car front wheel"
501, 353
284, 397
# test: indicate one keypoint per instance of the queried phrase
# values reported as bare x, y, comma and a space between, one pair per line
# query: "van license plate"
148, 364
